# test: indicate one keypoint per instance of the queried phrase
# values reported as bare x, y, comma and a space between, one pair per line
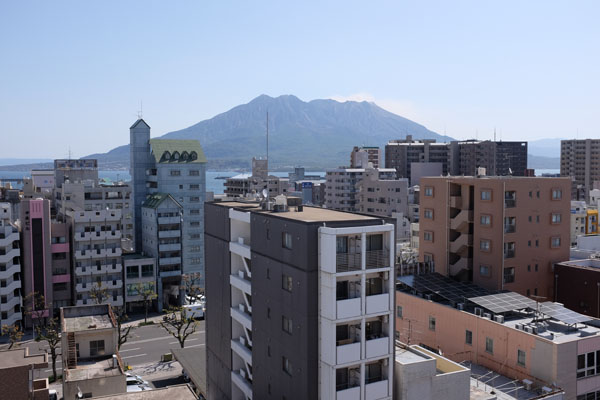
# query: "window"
486, 195
428, 191
556, 218
556, 194
428, 236
588, 364
489, 345
194, 187
555, 242
287, 283
194, 172
468, 337
194, 199
484, 245
286, 240
59, 286
399, 312
428, 213
133, 272
195, 211
195, 249
536, 268
175, 172
521, 356
509, 275
147, 270
194, 236
287, 366
96, 348
485, 219
287, 325
195, 223
484, 270
432, 323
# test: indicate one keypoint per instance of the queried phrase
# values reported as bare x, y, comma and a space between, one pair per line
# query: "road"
145, 345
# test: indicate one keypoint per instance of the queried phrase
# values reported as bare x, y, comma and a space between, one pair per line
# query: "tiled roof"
164, 149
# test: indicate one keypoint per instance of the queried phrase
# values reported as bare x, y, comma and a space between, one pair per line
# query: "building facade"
498, 232
360, 157
580, 160
140, 274
400, 154
10, 269
301, 303
498, 158
342, 187
384, 197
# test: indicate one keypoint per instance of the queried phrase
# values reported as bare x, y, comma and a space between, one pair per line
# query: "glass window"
432, 323
428, 191
341, 244
374, 242
486, 194
286, 240
485, 219
509, 275
133, 272
428, 236
399, 312
175, 172
484, 270
521, 356
96, 348
194, 172
287, 325
147, 270
555, 242
556, 194
489, 345
287, 283
556, 218
428, 213
287, 366
468, 337
484, 245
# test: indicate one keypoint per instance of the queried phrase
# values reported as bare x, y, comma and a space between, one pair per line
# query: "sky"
75, 74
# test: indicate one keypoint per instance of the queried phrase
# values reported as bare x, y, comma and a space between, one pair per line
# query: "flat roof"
85, 318
193, 361
178, 392
20, 357
93, 369
309, 214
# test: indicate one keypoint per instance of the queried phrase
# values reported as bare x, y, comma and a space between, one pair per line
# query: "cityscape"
341, 248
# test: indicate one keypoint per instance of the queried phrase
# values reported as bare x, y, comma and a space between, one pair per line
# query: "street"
145, 345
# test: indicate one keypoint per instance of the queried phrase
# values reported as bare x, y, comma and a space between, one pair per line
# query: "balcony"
116, 284
240, 248
378, 303
510, 228
346, 262
10, 304
83, 271
239, 281
240, 380
347, 351
169, 260
348, 308
377, 347
115, 301
239, 347
10, 288
241, 315
376, 388
352, 393
169, 220
8, 240
9, 272
169, 247
509, 253
83, 287
13, 318
377, 259
5, 258
169, 234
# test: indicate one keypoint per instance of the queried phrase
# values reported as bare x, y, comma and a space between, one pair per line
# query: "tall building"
384, 197
498, 158
499, 232
10, 269
162, 239
255, 183
178, 168
301, 303
341, 187
580, 160
361, 156
401, 154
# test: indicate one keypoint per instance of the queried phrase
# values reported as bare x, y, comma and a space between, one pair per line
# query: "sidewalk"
136, 319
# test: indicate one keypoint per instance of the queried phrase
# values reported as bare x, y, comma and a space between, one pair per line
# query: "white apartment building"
381, 196
11, 301
342, 190
97, 254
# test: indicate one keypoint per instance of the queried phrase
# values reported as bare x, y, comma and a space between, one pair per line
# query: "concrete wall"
95, 387
85, 337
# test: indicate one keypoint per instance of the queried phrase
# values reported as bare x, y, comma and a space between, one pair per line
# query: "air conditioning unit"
428, 296
547, 389
478, 311
460, 306
499, 319
527, 384
528, 329
519, 327
487, 316
535, 330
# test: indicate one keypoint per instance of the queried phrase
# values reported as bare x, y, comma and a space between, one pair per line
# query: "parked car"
194, 310
136, 384
135, 378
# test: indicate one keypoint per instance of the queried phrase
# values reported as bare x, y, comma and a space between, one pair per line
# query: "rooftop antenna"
267, 142
141, 110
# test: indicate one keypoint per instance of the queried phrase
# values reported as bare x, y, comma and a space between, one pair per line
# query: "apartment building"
162, 220
301, 302
256, 182
96, 245
401, 154
11, 301
498, 158
584, 275
498, 232
17, 377
176, 167
580, 160
140, 273
361, 156
342, 186
540, 345
384, 197
91, 362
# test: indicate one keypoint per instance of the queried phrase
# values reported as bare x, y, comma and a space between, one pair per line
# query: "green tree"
50, 333
178, 324
14, 333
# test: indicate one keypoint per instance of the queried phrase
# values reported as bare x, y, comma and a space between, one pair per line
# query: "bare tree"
98, 293
50, 333
178, 324
148, 293
35, 307
191, 284
14, 333
124, 331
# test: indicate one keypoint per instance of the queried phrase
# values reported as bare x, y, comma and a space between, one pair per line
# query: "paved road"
145, 345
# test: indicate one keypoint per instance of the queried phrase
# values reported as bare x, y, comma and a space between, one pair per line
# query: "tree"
98, 293
191, 284
147, 293
14, 334
35, 307
124, 331
178, 324
50, 333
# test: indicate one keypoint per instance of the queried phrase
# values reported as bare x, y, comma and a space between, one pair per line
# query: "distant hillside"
537, 162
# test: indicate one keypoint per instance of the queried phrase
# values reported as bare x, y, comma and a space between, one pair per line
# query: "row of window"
486, 194
486, 219
191, 172
133, 271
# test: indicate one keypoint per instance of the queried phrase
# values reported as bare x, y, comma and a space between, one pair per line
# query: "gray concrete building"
362, 155
300, 303
178, 168
384, 197
580, 160
401, 154
498, 158
140, 273
341, 187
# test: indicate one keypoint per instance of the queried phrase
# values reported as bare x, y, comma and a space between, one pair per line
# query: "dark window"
468, 337
287, 324
132, 272
147, 270
374, 242
286, 240
287, 366
287, 282
96, 348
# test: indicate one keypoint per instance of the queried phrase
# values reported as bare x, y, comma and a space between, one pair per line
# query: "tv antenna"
267, 142
141, 110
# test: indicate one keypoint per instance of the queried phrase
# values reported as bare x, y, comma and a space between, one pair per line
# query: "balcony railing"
377, 259
510, 228
510, 203
348, 262
509, 253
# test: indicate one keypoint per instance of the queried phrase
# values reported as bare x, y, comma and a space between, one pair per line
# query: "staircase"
72, 352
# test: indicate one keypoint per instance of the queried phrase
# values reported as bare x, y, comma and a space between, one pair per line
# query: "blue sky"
72, 73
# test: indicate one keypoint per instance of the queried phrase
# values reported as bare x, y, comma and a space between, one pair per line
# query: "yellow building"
591, 222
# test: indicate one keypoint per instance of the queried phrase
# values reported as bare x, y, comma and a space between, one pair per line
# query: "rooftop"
178, 392
21, 357
85, 318
155, 199
93, 369
309, 214
193, 361
172, 146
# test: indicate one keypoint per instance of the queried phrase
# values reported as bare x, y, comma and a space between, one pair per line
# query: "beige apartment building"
342, 186
580, 160
498, 232
383, 197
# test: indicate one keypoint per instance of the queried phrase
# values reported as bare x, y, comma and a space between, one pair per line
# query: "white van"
195, 311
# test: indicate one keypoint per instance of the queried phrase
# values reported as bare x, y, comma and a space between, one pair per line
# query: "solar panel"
442, 286
563, 314
503, 302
